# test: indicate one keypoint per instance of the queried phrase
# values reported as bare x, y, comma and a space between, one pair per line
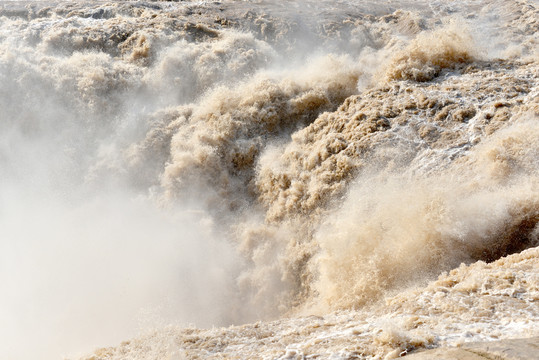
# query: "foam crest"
431, 52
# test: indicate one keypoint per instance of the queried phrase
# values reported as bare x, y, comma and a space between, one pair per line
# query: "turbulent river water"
267, 179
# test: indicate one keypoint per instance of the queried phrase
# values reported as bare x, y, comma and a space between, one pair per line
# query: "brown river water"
267, 179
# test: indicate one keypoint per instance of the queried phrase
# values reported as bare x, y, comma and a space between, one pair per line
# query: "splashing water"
322, 165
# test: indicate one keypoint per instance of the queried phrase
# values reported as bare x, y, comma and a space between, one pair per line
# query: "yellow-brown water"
347, 178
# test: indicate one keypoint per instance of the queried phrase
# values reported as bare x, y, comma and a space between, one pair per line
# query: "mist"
86, 257
107, 267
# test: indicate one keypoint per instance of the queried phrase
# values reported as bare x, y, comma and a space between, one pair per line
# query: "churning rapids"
267, 179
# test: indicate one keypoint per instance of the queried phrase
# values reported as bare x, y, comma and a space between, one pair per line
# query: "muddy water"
312, 165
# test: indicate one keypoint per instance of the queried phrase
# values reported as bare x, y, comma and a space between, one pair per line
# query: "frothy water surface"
350, 177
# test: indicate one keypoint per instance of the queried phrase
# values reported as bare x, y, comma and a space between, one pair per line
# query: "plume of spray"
397, 229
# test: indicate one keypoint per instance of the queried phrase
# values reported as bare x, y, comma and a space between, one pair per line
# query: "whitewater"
264, 179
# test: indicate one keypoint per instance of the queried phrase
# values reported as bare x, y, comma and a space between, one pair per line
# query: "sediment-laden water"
267, 179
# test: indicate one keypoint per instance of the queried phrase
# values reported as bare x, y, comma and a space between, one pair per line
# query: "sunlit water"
311, 169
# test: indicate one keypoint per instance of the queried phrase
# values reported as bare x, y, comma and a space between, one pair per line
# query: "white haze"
79, 270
